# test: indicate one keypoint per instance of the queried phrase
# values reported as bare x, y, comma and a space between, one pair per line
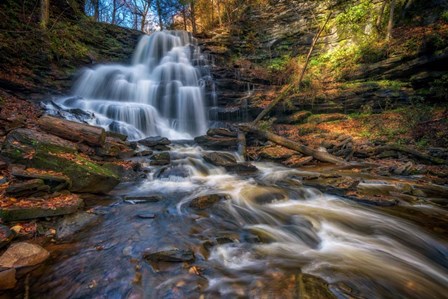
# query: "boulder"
174, 255
243, 168
217, 143
220, 159
162, 158
23, 254
206, 201
6, 235
113, 148
74, 223
154, 141
47, 152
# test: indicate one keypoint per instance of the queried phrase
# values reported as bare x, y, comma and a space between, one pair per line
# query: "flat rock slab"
6, 235
23, 254
31, 209
174, 255
8, 279
56, 181
154, 141
27, 188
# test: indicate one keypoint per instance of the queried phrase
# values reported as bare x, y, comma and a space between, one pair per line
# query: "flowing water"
271, 237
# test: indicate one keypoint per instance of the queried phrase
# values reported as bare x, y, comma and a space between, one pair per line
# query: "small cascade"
165, 91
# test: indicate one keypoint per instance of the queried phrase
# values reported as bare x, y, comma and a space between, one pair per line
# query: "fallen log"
410, 151
316, 154
73, 131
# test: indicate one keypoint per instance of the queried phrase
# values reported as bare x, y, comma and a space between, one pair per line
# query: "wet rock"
315, 287
220, 159
161, 147
217, 143
56, 182
206, 201
23, 254
144, 153
143, 199
160, 159
116, 135
381, 201
6, 235
176, 171
72, 224
221, 132
154, 141
146, 215
243, 168
33, 187
263, 195
174, 255
47, 152
7, 279
382, 188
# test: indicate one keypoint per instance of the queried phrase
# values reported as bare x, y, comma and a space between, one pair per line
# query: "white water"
161, 93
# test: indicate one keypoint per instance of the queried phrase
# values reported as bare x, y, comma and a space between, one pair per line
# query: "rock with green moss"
47, 152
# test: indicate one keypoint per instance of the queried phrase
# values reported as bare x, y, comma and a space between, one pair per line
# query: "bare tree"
44, 13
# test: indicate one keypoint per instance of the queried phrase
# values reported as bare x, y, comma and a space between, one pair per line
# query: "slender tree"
390, 24
44, 13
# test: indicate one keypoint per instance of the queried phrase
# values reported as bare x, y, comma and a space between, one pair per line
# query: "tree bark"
44, 13
193, 17
308, 58
159, 13
96, 10
390, 25
114, 11
379, 20
73, 131
296, 146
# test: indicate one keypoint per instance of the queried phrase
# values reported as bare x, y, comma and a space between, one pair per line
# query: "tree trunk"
308, 58
159, 13
73, 131
193, 17
96, 10
390, 25
184, 15
44, 13
218, 2
114, 11
296, 146
379, 20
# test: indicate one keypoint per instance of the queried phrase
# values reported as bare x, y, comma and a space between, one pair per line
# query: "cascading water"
163, 92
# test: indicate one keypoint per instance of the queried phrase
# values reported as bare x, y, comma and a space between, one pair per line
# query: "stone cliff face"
286, 28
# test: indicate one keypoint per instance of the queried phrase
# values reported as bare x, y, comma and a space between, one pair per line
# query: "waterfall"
165, 91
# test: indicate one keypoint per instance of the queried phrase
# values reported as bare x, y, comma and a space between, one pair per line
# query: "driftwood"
73, 131
316, 154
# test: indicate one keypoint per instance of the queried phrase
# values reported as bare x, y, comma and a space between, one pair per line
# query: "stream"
269, 237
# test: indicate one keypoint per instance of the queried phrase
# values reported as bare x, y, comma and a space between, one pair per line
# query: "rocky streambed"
189, 222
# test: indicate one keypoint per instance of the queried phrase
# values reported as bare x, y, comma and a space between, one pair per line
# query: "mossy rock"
43, 151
